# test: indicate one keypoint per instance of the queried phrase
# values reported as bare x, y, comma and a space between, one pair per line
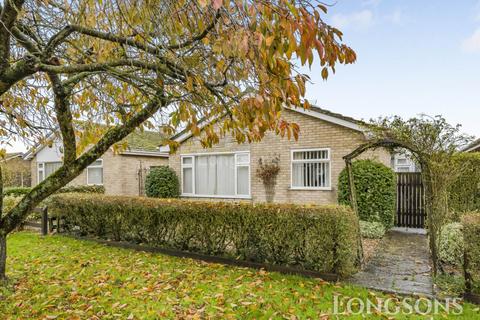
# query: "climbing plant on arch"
433, 143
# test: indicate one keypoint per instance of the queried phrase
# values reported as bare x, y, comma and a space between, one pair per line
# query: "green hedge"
375, 185
372, 230
21, 191
314, 238
471, 238
16, 191
465, 192
162, 182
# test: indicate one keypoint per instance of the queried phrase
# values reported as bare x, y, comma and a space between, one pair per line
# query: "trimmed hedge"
375, 185
16, 191
323, 239
162, 182
471, 238
464, 195
82, 189
21, 191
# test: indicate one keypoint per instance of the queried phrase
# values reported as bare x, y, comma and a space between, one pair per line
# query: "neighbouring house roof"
473, 147
141, 143
12, 155
313, 111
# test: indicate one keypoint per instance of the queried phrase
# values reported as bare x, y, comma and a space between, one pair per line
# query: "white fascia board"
473, 148
145, 153
329, 118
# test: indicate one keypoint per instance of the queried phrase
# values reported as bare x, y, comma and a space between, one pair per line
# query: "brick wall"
314, 133
120, 172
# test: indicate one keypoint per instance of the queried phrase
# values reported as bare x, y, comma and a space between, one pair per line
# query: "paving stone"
401, 264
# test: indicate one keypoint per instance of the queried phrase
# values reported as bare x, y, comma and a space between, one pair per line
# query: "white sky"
413, 57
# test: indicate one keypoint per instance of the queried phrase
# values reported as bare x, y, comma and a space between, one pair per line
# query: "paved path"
401, 265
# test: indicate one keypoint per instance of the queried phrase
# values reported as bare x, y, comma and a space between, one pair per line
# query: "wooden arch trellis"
387, 143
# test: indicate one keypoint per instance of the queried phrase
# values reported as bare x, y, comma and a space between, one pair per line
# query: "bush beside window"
313, 238
372, 230
450, 244
375, 186
471, 237
162, 182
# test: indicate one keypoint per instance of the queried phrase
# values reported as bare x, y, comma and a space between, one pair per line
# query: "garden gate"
410, 200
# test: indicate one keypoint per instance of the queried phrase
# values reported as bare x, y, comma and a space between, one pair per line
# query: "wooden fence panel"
410, 200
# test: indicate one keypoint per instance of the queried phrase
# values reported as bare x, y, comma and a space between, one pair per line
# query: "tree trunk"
3, 256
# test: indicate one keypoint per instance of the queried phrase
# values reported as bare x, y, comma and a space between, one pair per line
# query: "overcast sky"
413, 57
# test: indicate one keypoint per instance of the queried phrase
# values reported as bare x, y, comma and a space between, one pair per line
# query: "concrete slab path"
401, 265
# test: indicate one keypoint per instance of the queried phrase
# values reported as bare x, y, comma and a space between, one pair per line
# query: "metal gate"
410, 200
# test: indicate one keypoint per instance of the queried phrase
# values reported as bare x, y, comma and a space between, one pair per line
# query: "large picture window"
216, 175
47, 168
311, 169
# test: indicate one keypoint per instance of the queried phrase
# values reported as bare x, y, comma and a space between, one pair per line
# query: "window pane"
225, 175
51, 167
215, 175
242, 181
95, 175
243, 158
97, 163
187, 160
187, 180
310, 155
205, 172
311, 174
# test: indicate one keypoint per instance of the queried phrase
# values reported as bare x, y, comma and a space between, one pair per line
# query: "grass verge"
59, 277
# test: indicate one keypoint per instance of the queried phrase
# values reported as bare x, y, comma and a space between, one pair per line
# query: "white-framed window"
311, 169
95, 173
44, 169
216, 175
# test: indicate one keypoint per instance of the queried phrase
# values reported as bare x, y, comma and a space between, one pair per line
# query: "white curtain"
95, 175
225, 175
187, 180
215, 175
51, 167
242, 180
298, 175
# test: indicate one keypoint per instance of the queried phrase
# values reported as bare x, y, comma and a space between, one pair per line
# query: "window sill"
215, 197
309, 189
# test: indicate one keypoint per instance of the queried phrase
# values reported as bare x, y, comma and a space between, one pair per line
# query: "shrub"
375, 186
314, 238
471, 238
9, 202
372, 230
21, 191
162, 182
450, 244
16, 191
464, 194
82, 189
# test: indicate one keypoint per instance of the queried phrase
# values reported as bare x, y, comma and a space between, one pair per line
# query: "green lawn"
59, 277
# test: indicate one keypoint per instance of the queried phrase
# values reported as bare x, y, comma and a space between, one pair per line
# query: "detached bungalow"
15, 170
120, 174
309, 167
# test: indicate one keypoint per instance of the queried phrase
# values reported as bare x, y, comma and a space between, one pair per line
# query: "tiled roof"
144, 141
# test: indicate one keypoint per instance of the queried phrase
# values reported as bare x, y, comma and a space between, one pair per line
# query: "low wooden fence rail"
46, 224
